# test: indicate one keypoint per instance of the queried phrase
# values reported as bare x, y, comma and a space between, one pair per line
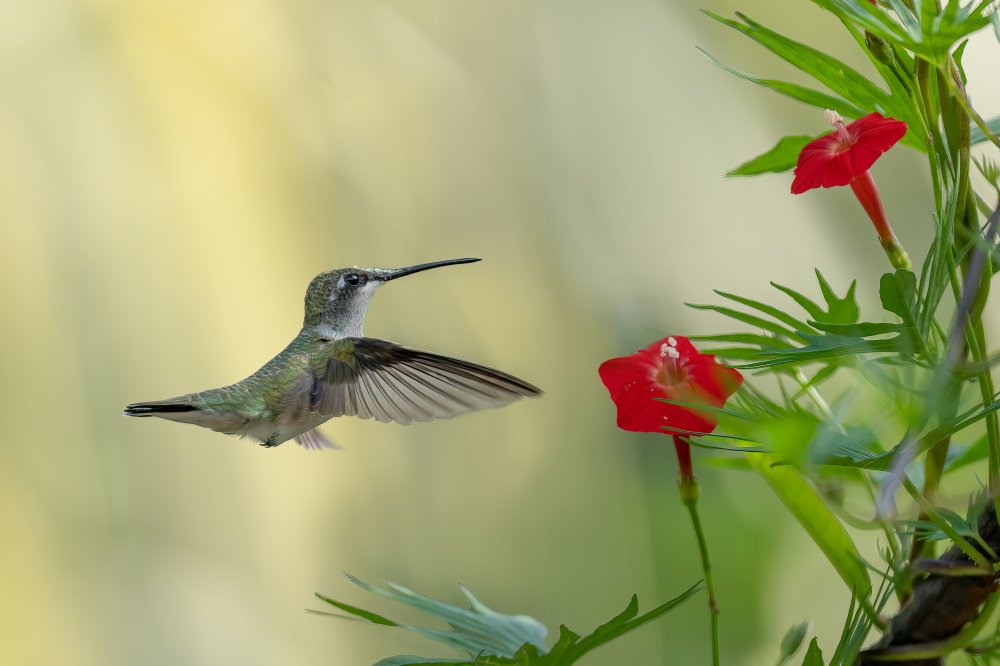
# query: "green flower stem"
987, 391
688, 486
978, 350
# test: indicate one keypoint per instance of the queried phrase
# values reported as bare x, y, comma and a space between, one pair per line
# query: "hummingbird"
331, 369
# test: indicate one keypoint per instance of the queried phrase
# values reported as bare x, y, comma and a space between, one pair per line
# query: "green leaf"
787, 319
407, 660
969, 455
843, 80
792, 641
749, 319
802, 94
475, 630
374, 618
735, 449
494, 639
823, 347
898, 293
782, 157
978, 136
624, 623
821, 376
856, 447
862, 329
736, 354
816, 518
707, 408
839, 310
931, 35
957, 57
814, 656
807, 304
755, 339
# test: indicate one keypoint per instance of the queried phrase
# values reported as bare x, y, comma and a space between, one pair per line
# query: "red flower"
844, 157
672, 368
669, 368
841, 156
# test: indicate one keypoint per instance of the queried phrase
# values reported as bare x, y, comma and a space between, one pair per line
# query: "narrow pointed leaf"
807, 304
816, 518
839, 310
898, 292
782, 157
815, 98
832, 73
814, 656
749, 319
755, 339
780, 315
407, 660
374, 618
626, 622
993, 125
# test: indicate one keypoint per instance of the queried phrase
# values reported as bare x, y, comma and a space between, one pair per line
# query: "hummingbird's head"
337, 300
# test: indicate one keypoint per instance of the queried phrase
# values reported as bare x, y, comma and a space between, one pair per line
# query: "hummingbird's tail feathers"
157, 408
189, 409
314, 440
371, 378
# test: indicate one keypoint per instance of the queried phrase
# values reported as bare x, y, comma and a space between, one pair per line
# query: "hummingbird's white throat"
350, 305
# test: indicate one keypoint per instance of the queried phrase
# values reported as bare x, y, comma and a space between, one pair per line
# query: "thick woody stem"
940, 607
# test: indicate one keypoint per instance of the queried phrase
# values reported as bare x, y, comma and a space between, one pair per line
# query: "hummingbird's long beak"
410, 270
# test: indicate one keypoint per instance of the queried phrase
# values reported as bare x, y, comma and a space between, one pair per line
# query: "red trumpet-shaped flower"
670, 368
844, 157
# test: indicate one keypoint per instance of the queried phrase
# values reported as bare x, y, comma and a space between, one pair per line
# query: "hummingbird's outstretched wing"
372, 378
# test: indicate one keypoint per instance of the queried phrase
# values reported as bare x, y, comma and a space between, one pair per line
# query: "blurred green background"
172, 175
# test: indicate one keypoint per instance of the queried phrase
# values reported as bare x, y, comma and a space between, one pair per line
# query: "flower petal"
669, 368
833, 160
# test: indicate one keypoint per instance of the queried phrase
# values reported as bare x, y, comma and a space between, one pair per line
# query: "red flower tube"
844, 157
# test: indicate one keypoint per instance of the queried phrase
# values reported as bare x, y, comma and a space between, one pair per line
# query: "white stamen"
672, 352
672, 341
663, 349
833, 117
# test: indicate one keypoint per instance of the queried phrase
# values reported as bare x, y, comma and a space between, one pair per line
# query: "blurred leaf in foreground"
495, 639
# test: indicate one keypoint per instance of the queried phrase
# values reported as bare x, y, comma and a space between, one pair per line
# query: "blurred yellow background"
172, 175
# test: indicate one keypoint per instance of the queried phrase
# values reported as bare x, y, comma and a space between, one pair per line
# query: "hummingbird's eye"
352, 279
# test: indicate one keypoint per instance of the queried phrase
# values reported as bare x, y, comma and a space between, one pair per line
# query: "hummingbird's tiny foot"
314, 440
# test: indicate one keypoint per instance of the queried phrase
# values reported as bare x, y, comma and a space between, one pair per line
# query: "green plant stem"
689, 496
967, 204
973, 369
903, 589
818, 399
987, 390
976, 118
